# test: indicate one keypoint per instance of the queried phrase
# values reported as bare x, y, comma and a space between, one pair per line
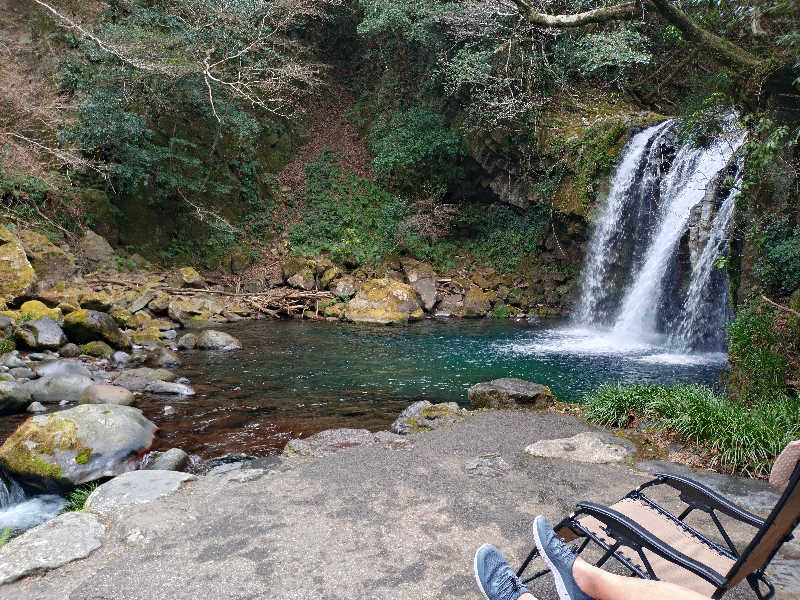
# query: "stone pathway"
373, 522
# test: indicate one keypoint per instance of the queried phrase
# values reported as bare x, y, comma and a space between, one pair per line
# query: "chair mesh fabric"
670, 533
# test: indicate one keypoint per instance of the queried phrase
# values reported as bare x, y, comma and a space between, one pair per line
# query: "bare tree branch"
626, 10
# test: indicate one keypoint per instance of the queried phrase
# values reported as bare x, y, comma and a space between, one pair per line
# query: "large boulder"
173, 459
384, 301
85, 326
96, 249
186, 277
424, 416
41, 334
51, 263
55, 368
59, 388
35, 309
14, 398
298, 272
476, 303
451, 305
421, 277
190, 311
217, 340
17, 277
510, 392
344, 287
64, 449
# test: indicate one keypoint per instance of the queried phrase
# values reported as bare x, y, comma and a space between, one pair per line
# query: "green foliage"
417, 148
7, 345
5, 536
500, 312
706, 121
757, 370
610, 55
76, 499
742, 438
352, 218
778, 265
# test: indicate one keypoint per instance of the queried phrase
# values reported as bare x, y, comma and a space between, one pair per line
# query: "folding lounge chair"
652, 543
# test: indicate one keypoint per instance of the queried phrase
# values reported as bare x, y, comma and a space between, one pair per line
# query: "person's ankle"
581, 573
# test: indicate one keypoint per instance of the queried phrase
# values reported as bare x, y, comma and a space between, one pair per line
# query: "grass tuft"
739, 437
77, 497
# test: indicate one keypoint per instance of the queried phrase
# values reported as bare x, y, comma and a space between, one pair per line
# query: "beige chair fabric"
784, 466
672, 534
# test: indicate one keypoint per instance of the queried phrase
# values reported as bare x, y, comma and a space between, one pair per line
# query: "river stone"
41, 334
97, 349
22, 373
14, 398
166, 387
142, 301
70, 350
68, 537
189, 311
138, 379
55, 368
17, 277
588, 447
476, 303
487, 465
187, 341
67, 448
107, 394
159, 304
384, 301
422, 278
160, 357
12, 360
217, 340
452, 304
329, 442
36, 407
58, 388
135, 487
95, 248
83, 326
344, 287
173, 459
424, 416
510, 392
51, 263
36, 309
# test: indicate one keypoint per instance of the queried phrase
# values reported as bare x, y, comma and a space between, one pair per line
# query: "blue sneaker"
496, 579
559, 558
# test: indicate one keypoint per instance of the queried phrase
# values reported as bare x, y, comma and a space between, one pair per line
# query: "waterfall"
635, 278
19, 512
10, 491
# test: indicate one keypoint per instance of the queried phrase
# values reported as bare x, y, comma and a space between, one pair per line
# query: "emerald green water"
298, 377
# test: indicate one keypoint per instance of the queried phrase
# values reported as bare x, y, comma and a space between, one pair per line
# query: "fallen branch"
780, 306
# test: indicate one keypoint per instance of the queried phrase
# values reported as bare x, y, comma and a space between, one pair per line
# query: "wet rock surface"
329, 442
424, 416
211, 339
107, 394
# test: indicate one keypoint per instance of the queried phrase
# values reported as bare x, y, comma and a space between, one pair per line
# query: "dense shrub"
741, 438
757, 370
354, 219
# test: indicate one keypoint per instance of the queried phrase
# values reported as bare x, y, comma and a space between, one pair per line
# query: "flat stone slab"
135, 487
66, 538
329, 442
589, 447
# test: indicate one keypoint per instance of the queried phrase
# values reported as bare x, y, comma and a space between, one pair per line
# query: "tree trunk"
718, 48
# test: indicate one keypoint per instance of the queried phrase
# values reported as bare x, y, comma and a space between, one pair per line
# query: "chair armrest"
697, 491
630, 531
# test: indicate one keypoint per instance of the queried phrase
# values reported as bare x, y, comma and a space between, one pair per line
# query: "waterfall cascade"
650, 264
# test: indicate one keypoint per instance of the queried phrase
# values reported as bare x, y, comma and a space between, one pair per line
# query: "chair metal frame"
626, 533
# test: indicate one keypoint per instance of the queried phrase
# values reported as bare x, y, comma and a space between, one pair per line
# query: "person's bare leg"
602, 585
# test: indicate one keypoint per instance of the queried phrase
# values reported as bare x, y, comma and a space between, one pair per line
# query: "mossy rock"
476, 302
83, 326
34, 309
60, 450
384, 301
148, 334
17, 276
327, 277
97, 349
334, 310
97, 301
51, 263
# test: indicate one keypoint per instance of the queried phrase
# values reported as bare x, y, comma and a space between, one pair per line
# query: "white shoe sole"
475, 571
560, 587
